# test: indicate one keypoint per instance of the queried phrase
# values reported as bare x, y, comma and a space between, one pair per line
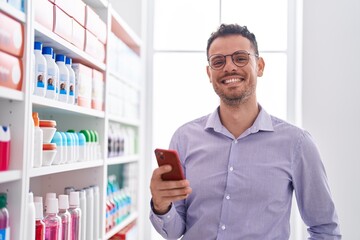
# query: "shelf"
55, 106
125, 121
97, 3
11, 94
123, 224
9, 176
124, 80
60, 45
42, 171
122, 159
13, 12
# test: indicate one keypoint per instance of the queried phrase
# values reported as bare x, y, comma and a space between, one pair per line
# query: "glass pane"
272, 86
184, 24
182, 92
266, 19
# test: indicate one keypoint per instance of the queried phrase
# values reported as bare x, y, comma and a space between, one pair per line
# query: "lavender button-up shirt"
243, 188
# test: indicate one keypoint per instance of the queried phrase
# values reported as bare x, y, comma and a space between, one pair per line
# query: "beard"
235, 98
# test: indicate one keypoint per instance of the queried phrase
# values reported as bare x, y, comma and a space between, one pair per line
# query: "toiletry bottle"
89, 212
51, 80
71, 97
38, 141
65, 217
39, 224
4, 218
40, 71
4, 148
82, 197
96, 231
57, 74
75, 214
63, 78
52, 220
30, 225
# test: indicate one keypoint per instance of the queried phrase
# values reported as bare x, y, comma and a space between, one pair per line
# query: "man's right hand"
165, 192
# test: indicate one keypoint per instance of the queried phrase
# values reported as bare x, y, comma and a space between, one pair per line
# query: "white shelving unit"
16, 109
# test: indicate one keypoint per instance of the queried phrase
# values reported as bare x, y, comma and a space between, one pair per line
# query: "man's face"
235, 85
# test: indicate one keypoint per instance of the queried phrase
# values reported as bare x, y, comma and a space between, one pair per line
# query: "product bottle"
38, 141
4, 218
47, 197
82, 197
4, 148
51, 80
71, 97
64, 148
89, 212
40, 71
63, 78
75, 214
96, 211
57, 74
39, 224
52, 220
82, 146
65, 217
30, 225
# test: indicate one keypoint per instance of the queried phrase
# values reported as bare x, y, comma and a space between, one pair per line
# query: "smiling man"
241, 164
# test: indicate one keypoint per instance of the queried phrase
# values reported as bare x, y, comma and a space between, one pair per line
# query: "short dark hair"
232, 29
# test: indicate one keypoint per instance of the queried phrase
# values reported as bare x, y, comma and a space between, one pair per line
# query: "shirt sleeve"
312, 191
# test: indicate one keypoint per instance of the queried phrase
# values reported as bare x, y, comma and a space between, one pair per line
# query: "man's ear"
260, 66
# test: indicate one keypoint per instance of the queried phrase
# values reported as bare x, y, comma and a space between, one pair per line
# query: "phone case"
170, 157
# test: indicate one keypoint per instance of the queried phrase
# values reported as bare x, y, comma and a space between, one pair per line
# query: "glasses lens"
240, 58
217, 61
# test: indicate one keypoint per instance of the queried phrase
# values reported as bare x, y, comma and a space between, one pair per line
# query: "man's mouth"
232, 80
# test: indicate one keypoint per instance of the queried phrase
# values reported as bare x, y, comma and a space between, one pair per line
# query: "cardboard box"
95, 25
97, 96
78, 35
44, 13
73, 8
83, 82
11, 72
11, 36
62, 24
94, 47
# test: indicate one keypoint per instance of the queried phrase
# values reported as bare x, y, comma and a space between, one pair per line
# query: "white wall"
331, 99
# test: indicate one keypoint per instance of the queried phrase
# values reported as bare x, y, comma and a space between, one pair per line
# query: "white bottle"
57, 77
40, 70
63, 78
30, 225
49, 195
96, 231
89, 213
65, 217
71, 96
38, 141
82, 195
51, 73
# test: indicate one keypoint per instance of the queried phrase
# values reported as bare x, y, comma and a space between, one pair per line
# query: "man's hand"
165, 192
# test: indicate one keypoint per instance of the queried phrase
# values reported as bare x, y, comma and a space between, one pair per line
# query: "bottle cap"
37, 45
35, 116
87, 135
57, 139
47, 51
82, 139
63, 201
60, 58
92, 136
3, 200
49, 146
31, 197
68, 60
52, 205
74, 199
47, 123
64, 138
38, 210
70, 139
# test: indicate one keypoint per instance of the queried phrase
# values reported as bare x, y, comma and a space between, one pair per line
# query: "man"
241, 164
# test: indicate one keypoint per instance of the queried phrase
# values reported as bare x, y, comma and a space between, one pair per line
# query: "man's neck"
236, 119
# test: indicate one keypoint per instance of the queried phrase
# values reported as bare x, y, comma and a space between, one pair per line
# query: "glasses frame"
232, 58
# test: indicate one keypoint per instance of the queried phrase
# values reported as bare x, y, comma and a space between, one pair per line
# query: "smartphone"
170, 157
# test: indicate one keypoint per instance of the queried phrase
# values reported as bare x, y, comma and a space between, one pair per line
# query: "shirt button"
235, 141
168, 216
231, 169
228, 197
223, 227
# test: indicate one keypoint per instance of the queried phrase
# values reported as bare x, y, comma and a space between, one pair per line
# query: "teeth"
232, 80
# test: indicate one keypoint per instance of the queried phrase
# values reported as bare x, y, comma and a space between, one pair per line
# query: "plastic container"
57, 77
38, 141
40, 83
82, 146
70, 147
88, 143
51, 80
65, 217
89, 213
96, 232
52, 220
39, 223
5, 140
49, 153
82, 196
75, 214
57, 139
4, 218
49, 128
63, 78
71, 96
30, 225
64, 148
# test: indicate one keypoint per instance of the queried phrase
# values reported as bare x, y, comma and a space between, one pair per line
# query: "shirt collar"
262, 122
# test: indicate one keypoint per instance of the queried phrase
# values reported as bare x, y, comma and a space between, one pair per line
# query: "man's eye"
218, 62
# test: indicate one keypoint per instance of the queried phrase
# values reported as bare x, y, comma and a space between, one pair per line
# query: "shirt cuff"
163, 218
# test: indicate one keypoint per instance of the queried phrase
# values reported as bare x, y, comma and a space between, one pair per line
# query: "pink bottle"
39, 224
75, 213
52, 220
4, 148
65, 217
4, 218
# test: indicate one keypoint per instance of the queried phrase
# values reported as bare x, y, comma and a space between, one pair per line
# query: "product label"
51, 81
40, 76
63, 84
5, 234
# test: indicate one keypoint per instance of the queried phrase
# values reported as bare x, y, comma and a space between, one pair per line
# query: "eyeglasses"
239, 58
